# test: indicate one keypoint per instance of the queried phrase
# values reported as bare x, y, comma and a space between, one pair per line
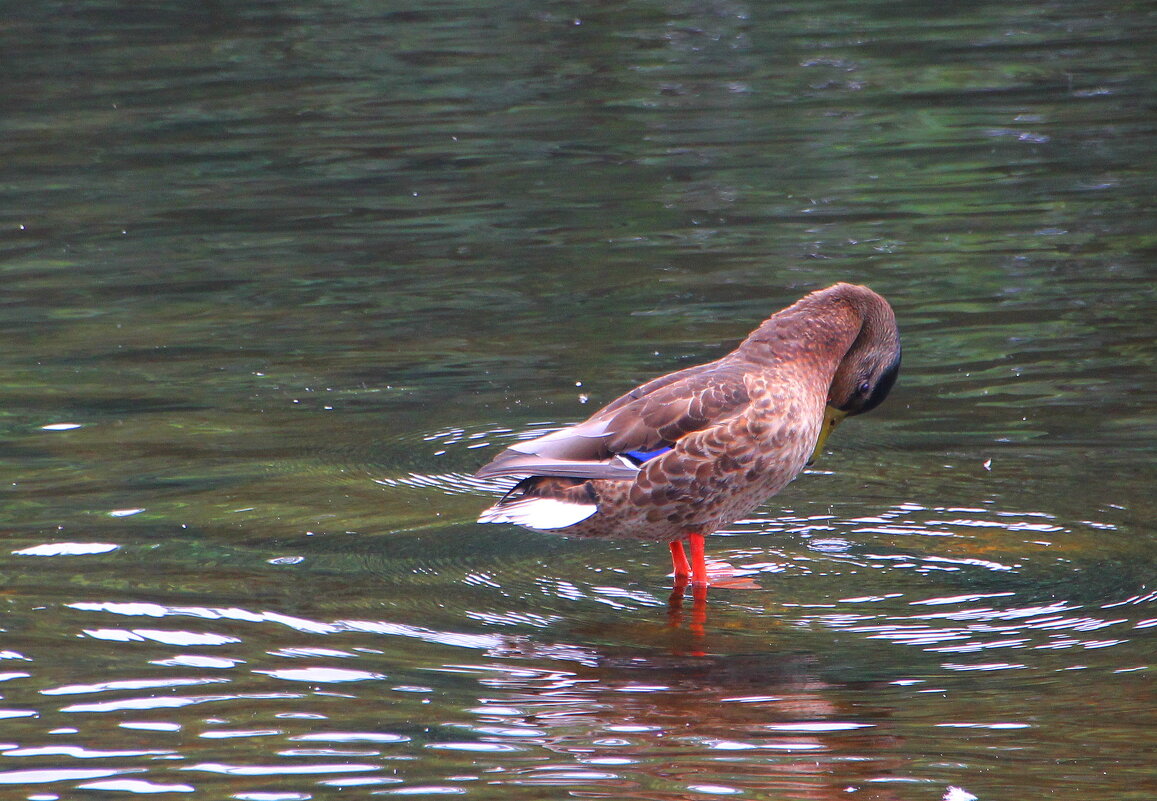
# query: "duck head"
869, 369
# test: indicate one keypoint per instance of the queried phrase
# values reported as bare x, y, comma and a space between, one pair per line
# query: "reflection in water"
771, 726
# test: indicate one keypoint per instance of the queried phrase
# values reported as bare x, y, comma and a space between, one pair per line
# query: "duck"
688, 453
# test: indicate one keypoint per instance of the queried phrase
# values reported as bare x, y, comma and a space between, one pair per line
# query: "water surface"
278, 278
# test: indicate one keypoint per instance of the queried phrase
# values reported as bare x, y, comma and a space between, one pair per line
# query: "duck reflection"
658, 725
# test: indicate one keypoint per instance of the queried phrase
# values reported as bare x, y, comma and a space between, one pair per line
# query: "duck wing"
641, 424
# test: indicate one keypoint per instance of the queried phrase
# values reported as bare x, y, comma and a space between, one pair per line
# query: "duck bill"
832, 418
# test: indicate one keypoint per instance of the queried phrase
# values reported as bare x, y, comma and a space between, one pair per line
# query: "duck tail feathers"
542, 514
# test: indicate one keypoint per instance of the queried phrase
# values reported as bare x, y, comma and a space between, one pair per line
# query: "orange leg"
698, 562
679, 560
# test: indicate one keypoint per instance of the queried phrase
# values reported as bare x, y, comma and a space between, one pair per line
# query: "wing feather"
655, 415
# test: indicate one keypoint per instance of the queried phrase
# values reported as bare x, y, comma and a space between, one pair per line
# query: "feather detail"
543, 514
637, 427
514, 464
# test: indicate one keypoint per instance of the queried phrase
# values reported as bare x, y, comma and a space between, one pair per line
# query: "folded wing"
645, 420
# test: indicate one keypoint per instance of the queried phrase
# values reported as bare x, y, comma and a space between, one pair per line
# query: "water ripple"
48, 775
138, 786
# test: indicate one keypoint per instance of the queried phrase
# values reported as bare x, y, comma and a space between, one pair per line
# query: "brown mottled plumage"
692, 451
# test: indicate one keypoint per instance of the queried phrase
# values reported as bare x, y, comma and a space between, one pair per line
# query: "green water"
277, 278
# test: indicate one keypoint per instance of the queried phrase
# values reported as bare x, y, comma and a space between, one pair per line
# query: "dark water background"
278, 277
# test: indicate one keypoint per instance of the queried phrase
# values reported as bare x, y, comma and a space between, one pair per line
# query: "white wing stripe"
543, 514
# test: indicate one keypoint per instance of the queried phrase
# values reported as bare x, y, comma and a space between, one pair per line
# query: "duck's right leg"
679, 560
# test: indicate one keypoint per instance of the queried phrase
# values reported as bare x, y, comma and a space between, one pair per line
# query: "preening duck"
692, 451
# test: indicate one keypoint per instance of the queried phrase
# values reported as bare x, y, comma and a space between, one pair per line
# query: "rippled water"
278, 278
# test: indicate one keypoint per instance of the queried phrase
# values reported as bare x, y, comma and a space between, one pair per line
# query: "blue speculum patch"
645, 456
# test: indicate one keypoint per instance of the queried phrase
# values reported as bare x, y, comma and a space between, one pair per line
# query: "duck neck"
815, 333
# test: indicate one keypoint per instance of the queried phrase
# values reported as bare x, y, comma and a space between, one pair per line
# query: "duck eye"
865, 388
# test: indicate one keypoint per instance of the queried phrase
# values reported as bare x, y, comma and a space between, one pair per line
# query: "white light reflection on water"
994, 726
426, 789
297, 623
277, 770
513, 618
77, 752
145, 725
492, 644
350, 737
452, 483
219, 734
817, 726
472, 746
170, 702
320, 675
902, 520
166, 637
459, 483
136, 684
67, 549
138, 786
1043, 627
46, 775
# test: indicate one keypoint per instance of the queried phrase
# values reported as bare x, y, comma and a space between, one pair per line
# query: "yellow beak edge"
832, 418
